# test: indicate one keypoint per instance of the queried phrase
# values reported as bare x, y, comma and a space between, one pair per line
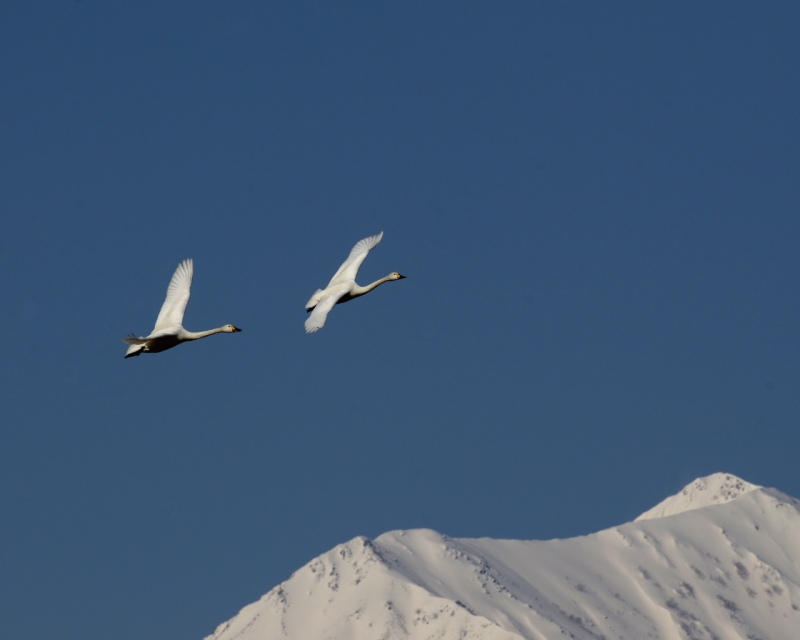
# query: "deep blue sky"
598, 210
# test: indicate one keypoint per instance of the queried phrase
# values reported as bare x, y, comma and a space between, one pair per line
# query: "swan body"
169, 331
343, 287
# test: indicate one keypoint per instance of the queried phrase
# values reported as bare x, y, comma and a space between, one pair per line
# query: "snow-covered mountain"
718, 561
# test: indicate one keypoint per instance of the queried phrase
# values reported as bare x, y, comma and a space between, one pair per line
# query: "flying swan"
169, 331
342, 286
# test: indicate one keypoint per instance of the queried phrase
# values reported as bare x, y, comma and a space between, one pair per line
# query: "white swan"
342, 286
169, 331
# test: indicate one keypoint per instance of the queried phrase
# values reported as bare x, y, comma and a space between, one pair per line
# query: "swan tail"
135, 346
313, 300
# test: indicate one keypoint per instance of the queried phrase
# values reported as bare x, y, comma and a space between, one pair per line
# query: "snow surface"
718, 561
703, 492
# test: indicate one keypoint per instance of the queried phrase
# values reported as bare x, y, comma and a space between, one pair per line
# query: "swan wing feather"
347, 272
178, 292
317, 317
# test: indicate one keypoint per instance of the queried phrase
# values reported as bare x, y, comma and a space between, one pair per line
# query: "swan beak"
400, 277
237, 330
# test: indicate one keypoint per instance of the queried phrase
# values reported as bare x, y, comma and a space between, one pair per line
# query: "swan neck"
196, 335
360, 291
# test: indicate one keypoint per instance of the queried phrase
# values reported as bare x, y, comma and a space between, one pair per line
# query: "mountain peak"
718, 488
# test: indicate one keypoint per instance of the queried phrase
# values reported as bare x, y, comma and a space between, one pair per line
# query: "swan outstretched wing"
347, 272
318, 315
177, 298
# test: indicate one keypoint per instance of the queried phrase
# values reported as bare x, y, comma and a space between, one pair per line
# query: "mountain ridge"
718, 488
722, 564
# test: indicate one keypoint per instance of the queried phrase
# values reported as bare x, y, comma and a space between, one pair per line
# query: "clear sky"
598, 210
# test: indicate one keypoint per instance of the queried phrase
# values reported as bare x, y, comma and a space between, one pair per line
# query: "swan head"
229, 328
396, 276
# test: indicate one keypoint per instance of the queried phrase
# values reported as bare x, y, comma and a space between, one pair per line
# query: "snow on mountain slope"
720, 560
703, 492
